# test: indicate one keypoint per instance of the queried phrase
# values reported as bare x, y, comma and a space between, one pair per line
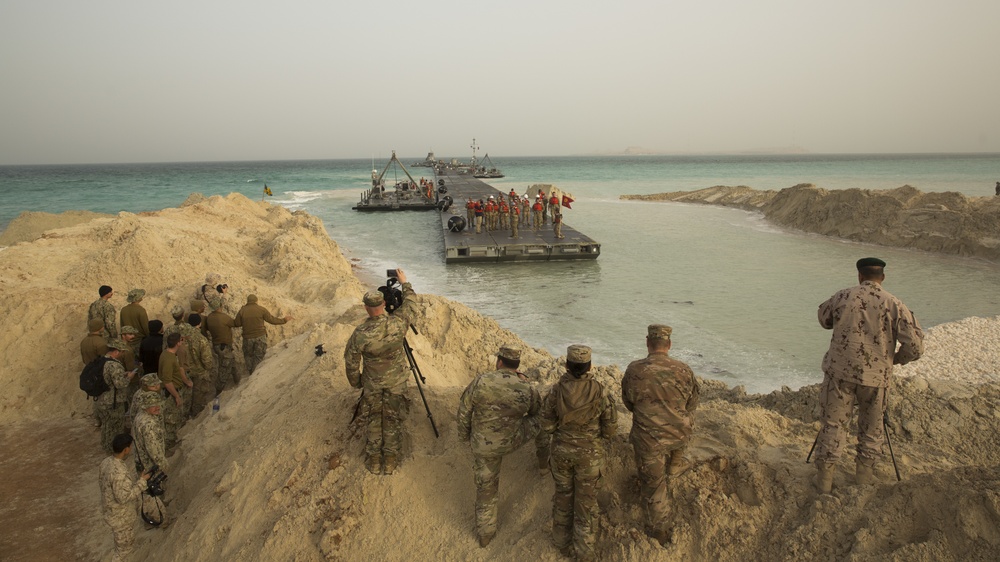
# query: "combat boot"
863, 474
678, 464
374, 464
543, 467
824, 477
389, 464
484, 539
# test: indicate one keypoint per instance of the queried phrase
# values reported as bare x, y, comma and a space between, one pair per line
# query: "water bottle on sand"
215, 406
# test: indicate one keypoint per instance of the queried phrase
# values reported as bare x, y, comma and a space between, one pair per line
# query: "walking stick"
813, 448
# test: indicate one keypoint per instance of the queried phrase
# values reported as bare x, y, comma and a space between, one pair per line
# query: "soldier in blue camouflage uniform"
120, 493
579, 412
867, 323
103, 309
112, 403
376, 362
148, 431
497, 413
662, 394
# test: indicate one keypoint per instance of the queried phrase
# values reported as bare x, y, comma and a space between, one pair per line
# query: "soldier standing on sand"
111, 404
94, 345
148, 431
867, 323
579, 412
149, 384
178, 385
120, 496
220, 326
662, 394
103, 309
497, 413
200, 365
375, 360
252, 318
133, 314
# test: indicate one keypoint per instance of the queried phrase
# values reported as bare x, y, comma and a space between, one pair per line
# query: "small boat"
487, 169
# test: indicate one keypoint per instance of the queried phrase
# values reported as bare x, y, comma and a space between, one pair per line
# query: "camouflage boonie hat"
215, 302
510, 353
177, 311
136, 295
150, 379
659, 332
95, 324
148, 399
129, 330
373, 299
578, 354
118, 344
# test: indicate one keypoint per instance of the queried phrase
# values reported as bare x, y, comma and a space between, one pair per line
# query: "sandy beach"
277, 474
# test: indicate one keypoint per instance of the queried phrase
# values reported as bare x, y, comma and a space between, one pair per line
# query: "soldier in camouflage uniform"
103, 309
133, 314
376, 362
178, 385
148, 431
220, 326
515, 217
867, 323
149, 383
578, 412
252, 318
497, 413
200, 365
112, 403
120, 494
662, 394
94, 345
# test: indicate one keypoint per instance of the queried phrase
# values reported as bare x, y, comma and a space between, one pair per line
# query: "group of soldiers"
158, 377
501, 410
508, 213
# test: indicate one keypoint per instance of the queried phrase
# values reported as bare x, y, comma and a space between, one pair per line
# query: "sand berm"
277, 473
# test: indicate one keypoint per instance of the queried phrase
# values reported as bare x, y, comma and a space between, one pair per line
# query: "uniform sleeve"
609, 417
352, 361
118, 377
143, 323
627, 398
270, 318
548, 419
825, 313
695, 398
238, 321
205, 350
125, 490
910, 337
465, 411
407, 310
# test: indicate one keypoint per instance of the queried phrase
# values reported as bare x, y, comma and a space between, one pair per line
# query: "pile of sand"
949, 222
277, 473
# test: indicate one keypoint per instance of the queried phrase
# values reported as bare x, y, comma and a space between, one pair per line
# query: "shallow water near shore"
740, 293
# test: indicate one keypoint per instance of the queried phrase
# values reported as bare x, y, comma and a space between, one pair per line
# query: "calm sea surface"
740, 293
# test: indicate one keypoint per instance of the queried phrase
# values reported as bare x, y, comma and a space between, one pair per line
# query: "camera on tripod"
391, 292
155, 484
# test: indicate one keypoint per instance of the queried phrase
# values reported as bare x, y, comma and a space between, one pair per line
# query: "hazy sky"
126, 81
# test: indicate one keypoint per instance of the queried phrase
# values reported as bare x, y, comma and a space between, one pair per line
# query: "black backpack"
92, 378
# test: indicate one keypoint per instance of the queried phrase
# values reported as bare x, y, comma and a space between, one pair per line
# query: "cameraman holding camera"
120, 495
376, 362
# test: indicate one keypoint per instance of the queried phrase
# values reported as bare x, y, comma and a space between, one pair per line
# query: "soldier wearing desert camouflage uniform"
148, 384
220, 327
662, 394
148, 431
112, 403
867, 323
579, 412
120, 493
200, 366
497, 413
103, 309
376, 362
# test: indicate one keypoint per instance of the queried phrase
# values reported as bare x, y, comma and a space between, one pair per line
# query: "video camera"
155, 483
390, 291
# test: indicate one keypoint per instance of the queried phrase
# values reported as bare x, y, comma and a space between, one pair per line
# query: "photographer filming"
376, 361
120, 495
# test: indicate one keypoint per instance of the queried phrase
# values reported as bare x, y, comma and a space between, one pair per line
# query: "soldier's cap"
177, 311
578, 354
373, 299
148, 400
659, 332
215, 303
251, 299
870, 262
150, 380
135, 295
197, 305
95, 324
130, 330
213, 279
511, 353
105, 289
118, 344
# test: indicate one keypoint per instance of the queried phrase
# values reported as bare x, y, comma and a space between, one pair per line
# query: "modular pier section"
497, 245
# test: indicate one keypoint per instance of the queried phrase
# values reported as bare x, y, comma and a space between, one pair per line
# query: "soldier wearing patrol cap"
111, 404
148, 431
497, 414
867, 322
375, 361
662, 394
580, 413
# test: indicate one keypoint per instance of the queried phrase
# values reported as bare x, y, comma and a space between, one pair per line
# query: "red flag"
566, 200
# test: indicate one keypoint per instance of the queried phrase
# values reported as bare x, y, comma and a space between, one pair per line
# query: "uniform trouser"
385, 410
486, 471
837, 399
557, 228
254, 350
112, 423
202, 393
225, 366
574, 504
479, 224
174, 415
652, 467
123, 532
538, 220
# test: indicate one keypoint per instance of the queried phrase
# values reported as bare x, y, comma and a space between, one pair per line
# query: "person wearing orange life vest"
504, 214
479, 216
470, 212
538, 213
553, 206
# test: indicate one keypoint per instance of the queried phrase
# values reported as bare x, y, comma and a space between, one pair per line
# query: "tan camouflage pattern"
514, 220
120, 494
837, 399
497, 413
201, 371
867, 322
254, 350
112, 403
105, 311
149, 434
133, 314
225, 367
578, 413
135, 405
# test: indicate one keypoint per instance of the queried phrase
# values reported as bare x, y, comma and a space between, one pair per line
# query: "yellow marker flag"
267, 190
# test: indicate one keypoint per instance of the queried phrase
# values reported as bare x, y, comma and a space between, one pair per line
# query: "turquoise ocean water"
740, 293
